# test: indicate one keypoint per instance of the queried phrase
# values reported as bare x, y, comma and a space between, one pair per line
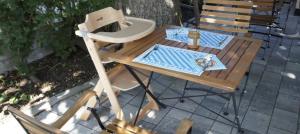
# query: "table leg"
183, 93
144, 86
236, 113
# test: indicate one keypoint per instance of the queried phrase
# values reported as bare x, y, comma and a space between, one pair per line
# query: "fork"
154, 49
179, 31
221, 43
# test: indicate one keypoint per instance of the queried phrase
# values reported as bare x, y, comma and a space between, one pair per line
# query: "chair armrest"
184, 127
78, 104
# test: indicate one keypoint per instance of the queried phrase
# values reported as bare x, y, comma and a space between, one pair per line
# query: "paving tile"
245, 131
288, 103
212, 104
70, 125
196, 100
277, 131
284, 120
146, 125
155, 75
136, 101
104, 113
198, 85
157, 88
261, 105
254, 75
231, 114
155, 117
256, 122
165, 80
47, 117
170, 93
51, 117
196, 130
167, 126
130, 111
290, 87
170, 102
63, 106
214, 132
79, 129
294, 54
123, 98
187, 105
9, 124
293, 67
178, 84
221, 128
201, 124
271, 79
135, 91
266, 93
178, 114
245, 100
36, 108
276, 63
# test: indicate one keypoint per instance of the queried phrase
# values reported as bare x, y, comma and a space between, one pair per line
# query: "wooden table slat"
233, 61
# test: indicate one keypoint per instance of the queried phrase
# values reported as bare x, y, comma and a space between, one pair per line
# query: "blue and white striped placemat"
207, 39
176, 59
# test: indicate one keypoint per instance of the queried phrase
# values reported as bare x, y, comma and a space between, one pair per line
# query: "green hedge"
43, 22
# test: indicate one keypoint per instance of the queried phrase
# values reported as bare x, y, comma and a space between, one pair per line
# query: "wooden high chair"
117, 79
33, 126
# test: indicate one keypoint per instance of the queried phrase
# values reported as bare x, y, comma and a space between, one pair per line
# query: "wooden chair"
264, 12
117, 79
226, 16
33, 126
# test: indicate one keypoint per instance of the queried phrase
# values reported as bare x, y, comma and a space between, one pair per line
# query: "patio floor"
270, 105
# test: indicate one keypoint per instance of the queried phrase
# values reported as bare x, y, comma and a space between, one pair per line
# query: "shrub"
42, 22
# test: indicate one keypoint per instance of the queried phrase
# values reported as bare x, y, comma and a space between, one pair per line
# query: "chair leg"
151, 100
240, 130
183, 92
150, 106
269, 37
92, 102
264, 53
225, 112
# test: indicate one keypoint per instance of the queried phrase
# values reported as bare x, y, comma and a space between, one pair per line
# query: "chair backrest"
100, 18
264, 5
225, 15
31, 125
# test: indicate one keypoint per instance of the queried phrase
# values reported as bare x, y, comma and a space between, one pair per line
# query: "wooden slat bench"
33, 126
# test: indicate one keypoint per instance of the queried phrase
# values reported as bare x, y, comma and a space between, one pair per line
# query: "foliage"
42, 22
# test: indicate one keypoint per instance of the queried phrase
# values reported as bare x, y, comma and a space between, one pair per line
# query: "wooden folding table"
237, 56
